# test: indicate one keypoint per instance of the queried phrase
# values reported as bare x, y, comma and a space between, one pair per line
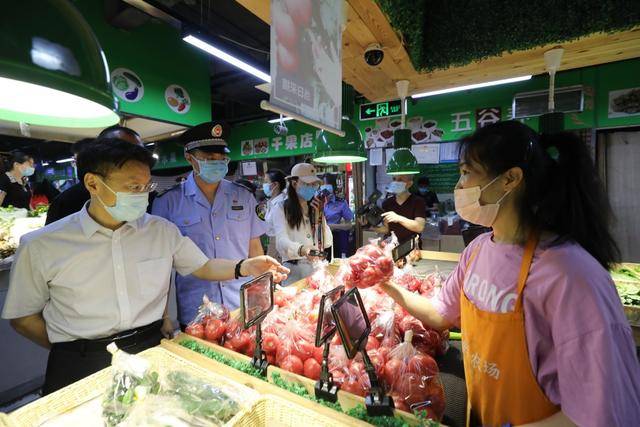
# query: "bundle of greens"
126, 389
201, 400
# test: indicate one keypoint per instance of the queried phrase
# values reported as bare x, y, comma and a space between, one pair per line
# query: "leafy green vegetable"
39, 210
629, 292
125, 390
201, 399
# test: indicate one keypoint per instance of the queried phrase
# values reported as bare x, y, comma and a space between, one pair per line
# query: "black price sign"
380, 110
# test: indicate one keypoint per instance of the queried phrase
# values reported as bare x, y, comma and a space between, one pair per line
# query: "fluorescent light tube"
284, 119
212, 50
473, 86
70, 159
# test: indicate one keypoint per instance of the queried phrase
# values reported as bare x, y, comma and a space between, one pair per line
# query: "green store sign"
258, 140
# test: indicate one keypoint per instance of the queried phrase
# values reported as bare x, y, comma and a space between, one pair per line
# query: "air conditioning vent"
531, 104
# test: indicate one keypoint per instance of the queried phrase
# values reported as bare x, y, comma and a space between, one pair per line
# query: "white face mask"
468, 205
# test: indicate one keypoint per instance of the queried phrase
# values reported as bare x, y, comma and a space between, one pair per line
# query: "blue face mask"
423, 190
306, 192
28, 171
396, 187
128, 207
266, 188
212, 171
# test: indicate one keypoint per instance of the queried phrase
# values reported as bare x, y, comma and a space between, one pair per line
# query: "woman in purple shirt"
535, 293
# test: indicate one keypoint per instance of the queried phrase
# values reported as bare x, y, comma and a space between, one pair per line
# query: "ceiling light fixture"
473, 86
278, 120
218, 53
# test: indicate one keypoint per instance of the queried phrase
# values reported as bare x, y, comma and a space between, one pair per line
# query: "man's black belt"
122, 339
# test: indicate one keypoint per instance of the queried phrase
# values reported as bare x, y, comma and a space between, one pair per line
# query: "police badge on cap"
210, 137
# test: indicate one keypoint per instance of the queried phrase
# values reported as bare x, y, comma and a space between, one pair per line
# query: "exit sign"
379, 110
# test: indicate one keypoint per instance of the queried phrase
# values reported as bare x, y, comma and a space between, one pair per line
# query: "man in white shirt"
102, 274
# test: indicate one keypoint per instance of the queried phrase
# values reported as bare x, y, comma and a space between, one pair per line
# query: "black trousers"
70, 362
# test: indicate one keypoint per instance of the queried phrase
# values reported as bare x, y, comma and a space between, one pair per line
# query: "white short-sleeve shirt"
91, 282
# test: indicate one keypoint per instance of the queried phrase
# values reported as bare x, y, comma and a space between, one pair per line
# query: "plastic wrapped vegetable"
413, 378
210, 321
371, 264
132, 382
238, 339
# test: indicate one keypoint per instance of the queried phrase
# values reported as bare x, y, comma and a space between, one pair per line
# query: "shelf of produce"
346, 400
80, 400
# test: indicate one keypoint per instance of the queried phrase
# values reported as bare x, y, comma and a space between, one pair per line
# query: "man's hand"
391, 217
261, 264
167, 328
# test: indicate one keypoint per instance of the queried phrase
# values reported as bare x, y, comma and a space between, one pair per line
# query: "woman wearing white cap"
294, 223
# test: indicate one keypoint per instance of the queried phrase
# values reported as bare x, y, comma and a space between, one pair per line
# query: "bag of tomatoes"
370, 265
412, 377
237, 338
209, 322
294, 345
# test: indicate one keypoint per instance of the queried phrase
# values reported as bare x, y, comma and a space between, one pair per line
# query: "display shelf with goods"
289, 332
626, 276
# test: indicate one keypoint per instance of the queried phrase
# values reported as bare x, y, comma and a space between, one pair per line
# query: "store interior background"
153, 49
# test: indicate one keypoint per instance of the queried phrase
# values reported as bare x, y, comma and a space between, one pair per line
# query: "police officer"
218, 215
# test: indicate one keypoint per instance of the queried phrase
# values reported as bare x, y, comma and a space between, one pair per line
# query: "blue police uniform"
223, 230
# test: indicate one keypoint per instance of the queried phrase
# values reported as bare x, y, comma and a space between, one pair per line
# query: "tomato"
392, 370
286, 30
412, 388
303, 350
357, 369
372, 343
195, 330
271, 358
312, 369
287, 59
383, 352
270, 343
236, 343
293, 364
312, 317
250, 348
410, 323
284, 350
214, 330
318, 353
279, 300
385, 266
435, 393
354, 385
422, 365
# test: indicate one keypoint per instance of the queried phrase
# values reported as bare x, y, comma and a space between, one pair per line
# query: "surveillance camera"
280, 129
373, 54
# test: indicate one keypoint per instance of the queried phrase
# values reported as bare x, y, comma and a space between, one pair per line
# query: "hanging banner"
306, 59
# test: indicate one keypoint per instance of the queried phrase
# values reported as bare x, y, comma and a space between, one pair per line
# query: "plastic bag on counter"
132, 382
237, 338
371, 265
186, 401
412, 377
295, 346
210, 321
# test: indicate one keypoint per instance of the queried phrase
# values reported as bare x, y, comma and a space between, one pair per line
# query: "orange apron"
501, 386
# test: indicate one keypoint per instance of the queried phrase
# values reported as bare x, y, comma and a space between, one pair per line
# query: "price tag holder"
403, 249
256, 302
354, 327
325, 388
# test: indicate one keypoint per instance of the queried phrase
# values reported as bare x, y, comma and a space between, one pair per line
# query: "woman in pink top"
545, 339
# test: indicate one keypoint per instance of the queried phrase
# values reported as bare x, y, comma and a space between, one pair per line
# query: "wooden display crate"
346, 400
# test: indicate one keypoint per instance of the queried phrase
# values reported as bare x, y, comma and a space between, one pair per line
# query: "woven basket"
93, 386
274, 411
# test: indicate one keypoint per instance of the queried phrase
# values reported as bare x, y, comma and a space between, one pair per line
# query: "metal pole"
358, 183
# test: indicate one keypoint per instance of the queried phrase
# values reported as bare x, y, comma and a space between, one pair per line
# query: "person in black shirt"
14, 188
430, 198
74, 198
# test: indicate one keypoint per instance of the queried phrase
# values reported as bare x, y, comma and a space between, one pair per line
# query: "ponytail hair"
562, 192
